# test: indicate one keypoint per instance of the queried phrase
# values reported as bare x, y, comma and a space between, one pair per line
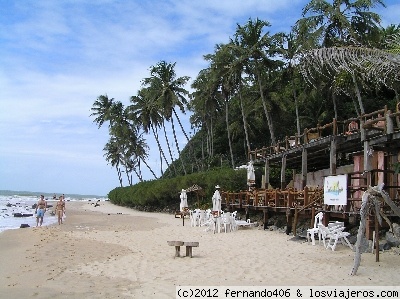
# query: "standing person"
60, 209
41, 207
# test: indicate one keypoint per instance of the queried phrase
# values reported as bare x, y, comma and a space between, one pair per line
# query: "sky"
57, 57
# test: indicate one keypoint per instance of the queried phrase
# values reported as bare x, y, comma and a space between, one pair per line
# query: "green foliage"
164, 193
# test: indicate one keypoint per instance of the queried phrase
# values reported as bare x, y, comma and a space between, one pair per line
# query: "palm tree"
381, 66
102, 110
341, 22
170, 92
222, 80
256, 50
206, 105
146, 109
113, 156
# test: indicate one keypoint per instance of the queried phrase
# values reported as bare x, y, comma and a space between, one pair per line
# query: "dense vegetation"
337, 62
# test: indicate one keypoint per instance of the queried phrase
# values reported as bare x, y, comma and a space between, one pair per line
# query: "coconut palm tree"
221, 80
342, 23
339, 22
206, 105
256, 51
381, 66
102, 110
113, 156
170, 92
147, 110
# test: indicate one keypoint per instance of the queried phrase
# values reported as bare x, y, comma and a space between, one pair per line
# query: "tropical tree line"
336, 62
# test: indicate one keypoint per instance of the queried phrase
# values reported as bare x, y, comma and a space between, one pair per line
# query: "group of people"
41, 208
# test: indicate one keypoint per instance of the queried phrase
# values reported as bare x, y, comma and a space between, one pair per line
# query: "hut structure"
366, 150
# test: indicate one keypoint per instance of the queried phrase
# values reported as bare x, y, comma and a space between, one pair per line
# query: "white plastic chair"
201, 217
227, 221
315, 230
194, 217
334, 235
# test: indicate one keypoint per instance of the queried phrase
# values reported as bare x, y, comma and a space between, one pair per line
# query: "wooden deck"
371, 143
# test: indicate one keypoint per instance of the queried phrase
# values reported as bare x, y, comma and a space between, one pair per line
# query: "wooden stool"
189, 246
177, 245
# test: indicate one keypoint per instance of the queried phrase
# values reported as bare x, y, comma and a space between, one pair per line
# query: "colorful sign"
335, 190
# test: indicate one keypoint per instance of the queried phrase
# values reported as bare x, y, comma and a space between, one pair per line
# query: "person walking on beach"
41, 207
60, 209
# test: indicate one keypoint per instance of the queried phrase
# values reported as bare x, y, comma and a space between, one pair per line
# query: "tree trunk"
267, 114
177, 145
357, 90
119, 175
159, 148
151, 170
227, 129
296, 104
334, 104
244, 120
169, 148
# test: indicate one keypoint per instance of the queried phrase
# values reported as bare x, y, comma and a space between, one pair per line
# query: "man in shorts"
41, 207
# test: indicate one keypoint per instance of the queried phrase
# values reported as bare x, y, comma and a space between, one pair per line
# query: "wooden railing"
382, 119
277, 198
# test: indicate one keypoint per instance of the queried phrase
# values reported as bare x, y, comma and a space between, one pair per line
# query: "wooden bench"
178, 244
189, 246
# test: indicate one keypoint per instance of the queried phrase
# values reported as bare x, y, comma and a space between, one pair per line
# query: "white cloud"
57, 57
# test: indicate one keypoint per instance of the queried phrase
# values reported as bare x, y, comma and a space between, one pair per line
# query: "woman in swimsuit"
60, 209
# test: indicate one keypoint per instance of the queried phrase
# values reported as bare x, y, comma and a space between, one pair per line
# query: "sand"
115, 252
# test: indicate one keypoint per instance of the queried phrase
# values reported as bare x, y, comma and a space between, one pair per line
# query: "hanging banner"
335, 190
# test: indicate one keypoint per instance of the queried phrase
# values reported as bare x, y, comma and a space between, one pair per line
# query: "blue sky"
57, 57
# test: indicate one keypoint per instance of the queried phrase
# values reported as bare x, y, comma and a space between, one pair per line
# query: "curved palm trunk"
138, 175
128, 177
357, 90
296, 105
159, 148
227, 129
211, 137
244, 121
140, 170
177, 145
149, 168
119, 175
267, 114
334, 104
169, 147
187, 138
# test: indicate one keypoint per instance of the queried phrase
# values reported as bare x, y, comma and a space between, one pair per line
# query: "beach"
115, 252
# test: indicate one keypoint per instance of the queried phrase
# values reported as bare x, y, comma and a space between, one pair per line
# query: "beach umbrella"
251, 176
183, 198
216, 200
196, 188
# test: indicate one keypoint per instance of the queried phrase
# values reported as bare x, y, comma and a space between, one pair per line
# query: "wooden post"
265, 218
295, 220
376, 239
367, 161
266, 174
389, 123
312, 216
333, 156
289, 221
303, 168
283, 170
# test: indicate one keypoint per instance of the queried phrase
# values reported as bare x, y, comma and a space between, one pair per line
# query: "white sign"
335, 190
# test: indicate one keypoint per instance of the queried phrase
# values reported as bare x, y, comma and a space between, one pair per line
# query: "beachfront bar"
365, 150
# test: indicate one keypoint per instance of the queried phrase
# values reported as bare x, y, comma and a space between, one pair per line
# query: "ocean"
14, 202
